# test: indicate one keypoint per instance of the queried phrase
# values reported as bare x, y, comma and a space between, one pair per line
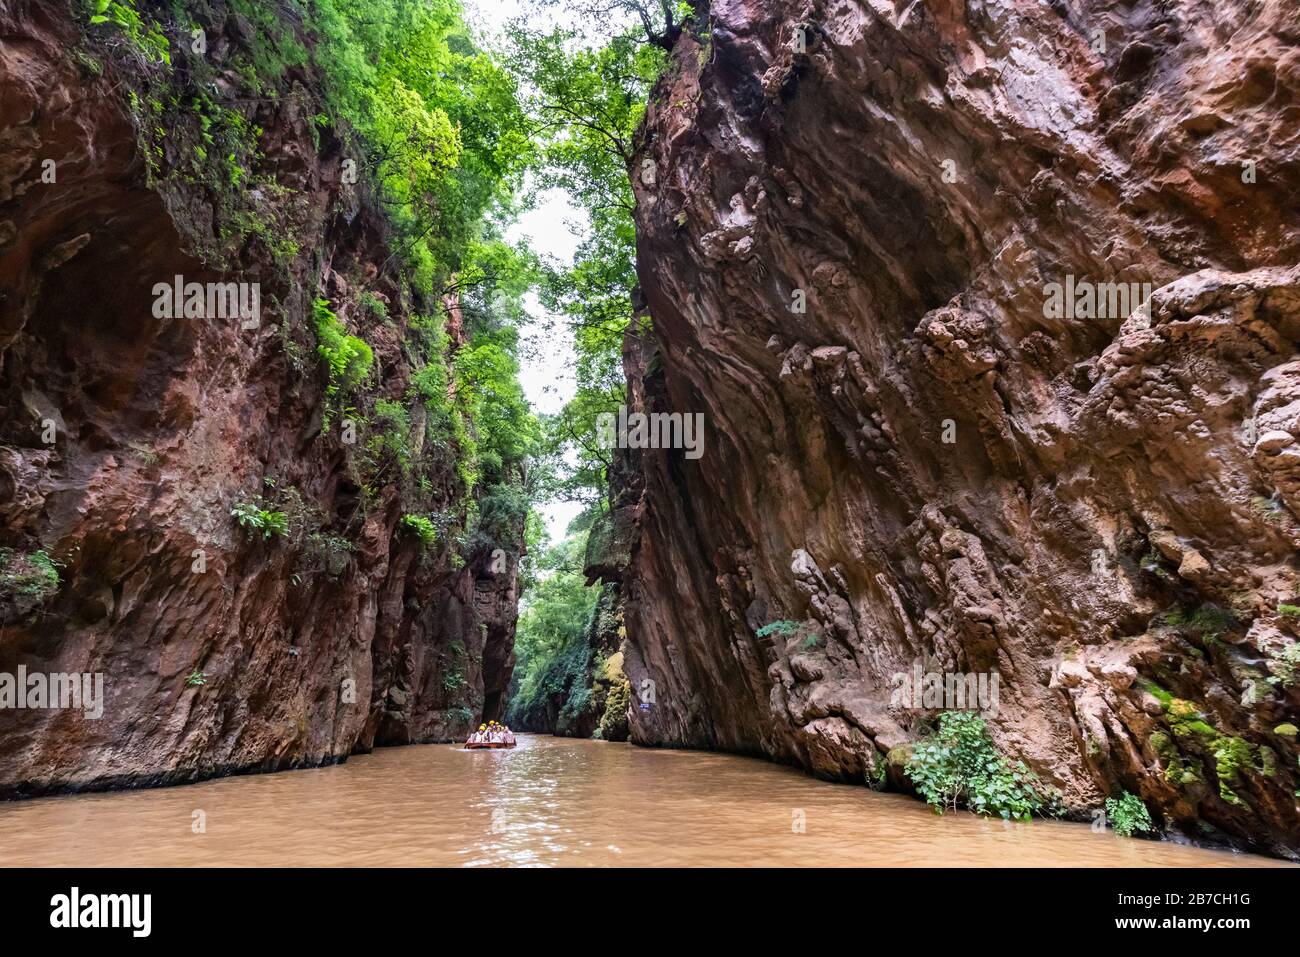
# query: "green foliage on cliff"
399, 93
502, 507
444, 136
34, 575
145, 37
960, 766
256, 520
445, 142
1128, 815
1194, 738
347, 358
389, 443
487, 384
613, 723
422, 528
569, 675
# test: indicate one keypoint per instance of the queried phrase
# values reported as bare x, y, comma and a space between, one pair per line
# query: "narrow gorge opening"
850, 385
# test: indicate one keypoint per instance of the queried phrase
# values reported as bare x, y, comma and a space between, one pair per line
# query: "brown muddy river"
551, 801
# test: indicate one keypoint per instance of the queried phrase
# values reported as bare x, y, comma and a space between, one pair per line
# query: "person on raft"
492, 733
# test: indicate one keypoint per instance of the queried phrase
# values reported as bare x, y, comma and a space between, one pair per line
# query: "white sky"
546, 357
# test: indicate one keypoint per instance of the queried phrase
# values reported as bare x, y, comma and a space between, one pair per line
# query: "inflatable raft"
492, 735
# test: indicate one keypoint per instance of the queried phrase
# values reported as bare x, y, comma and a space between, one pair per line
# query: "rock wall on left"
126, 439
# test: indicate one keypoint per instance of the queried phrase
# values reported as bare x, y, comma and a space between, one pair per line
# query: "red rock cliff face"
932, 463
336, 637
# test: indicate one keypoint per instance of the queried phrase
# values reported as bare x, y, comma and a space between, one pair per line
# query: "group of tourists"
492, 733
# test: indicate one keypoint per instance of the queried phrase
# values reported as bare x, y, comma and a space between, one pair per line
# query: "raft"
476, 745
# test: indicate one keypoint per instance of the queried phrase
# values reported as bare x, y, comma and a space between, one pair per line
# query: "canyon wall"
851, 214
126, 440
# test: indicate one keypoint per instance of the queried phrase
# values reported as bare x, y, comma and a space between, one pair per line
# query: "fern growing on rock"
1128, 815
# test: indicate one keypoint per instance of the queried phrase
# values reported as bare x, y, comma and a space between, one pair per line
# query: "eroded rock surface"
930, 461
221, 651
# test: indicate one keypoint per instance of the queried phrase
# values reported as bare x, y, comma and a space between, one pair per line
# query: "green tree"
661, 20
439, 120
587, 103
551, 647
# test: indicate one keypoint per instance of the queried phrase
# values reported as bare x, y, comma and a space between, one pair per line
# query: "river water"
551, 801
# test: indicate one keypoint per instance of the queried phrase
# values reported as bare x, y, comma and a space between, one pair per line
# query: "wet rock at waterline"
850, 227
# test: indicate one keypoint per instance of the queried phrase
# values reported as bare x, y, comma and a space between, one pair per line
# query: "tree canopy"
587, 103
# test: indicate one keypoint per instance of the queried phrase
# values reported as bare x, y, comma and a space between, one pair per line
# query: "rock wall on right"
991, 311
